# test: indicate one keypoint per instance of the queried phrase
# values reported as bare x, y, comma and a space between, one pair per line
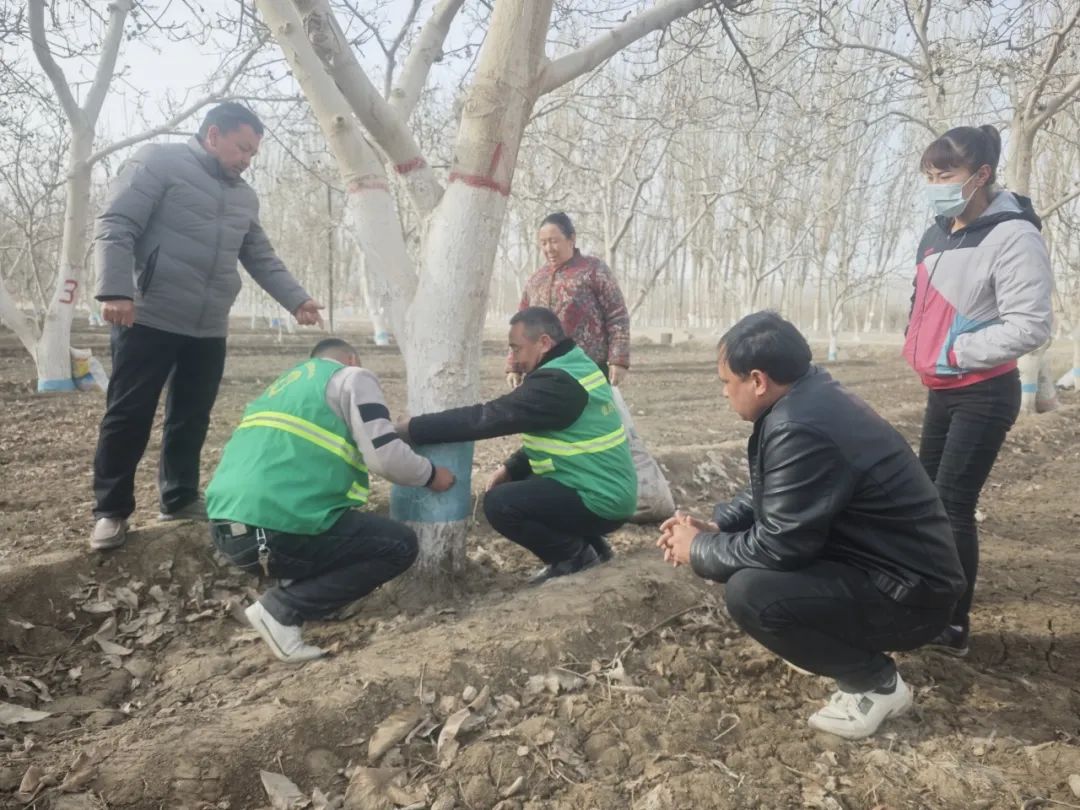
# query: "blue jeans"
356, 555
963, 431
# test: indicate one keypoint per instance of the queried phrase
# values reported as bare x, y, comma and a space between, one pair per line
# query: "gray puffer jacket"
169, 237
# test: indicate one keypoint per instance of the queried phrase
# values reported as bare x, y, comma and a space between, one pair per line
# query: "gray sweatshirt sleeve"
1023, 284
355, 395
133, 196
262, 262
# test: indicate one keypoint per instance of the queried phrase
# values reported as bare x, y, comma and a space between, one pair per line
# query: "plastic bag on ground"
654, 500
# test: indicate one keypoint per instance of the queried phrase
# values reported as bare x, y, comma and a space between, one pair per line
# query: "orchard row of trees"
721, 155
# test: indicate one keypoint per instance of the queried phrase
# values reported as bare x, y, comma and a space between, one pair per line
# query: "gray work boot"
196, 510
108, 533
284, 641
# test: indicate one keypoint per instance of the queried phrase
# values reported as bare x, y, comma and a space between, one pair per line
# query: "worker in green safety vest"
573, 481
284, 501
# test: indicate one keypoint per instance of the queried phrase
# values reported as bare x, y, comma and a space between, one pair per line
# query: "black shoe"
586, 558
953, 640
602, 547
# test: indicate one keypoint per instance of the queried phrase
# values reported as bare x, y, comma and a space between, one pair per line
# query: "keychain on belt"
264, 551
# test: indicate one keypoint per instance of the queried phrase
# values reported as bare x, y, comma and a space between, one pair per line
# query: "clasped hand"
677, 534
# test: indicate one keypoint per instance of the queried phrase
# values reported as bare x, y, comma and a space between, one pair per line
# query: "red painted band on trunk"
412, 165
479, 181
370, 183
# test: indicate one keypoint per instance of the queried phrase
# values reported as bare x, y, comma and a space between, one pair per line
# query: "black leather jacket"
830, 479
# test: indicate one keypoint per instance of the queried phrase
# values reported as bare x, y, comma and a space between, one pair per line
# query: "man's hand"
443, 480
120, 312
401, 427
513, 379
307, 314
677, 534
617, 374
676, 544
501, 476
688, 520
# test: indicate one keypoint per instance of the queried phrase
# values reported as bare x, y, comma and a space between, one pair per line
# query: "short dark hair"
539, 321
230, 116
766, 342
332, 346
562, 221
965, 147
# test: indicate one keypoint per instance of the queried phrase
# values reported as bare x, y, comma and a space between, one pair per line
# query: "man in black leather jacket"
841, 549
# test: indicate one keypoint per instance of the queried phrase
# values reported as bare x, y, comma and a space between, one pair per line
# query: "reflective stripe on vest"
557, 447
311, 432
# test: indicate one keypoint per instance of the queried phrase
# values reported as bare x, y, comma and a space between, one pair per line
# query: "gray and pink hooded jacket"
982, 295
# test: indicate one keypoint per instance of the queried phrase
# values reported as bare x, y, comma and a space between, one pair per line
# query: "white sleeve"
355, 395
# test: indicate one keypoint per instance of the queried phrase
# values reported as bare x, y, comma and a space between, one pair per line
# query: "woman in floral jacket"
583, 292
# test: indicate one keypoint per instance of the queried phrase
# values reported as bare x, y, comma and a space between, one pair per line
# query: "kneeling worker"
283, 501
574, 480
841, 549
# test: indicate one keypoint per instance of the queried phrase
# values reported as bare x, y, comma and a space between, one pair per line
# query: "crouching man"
284, 500
573, 481
840, 551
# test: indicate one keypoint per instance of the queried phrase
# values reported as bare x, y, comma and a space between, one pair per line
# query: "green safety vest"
291, 464
591, 456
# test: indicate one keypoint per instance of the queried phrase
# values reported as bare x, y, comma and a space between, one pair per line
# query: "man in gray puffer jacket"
178, 218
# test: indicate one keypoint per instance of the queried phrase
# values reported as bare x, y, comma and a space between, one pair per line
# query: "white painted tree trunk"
438, 307
1036, 395
54, 350
378, 300
835, 321
1071, 378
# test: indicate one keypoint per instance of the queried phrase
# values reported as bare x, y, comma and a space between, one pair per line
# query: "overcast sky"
154, 71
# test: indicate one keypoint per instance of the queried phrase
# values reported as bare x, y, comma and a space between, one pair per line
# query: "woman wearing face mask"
583, 292
982, 300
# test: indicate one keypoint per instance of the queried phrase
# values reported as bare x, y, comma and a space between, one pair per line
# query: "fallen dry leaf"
82, 773
393, 730
11, 713
513, 788
31, 779
369, 789
112, 648
282, 792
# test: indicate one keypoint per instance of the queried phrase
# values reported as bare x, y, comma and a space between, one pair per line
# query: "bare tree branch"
44, 56
1052, 56
170, 125
424, 53
386, 126
706, 207
1057, 205
391, 52
110, 49
567, 68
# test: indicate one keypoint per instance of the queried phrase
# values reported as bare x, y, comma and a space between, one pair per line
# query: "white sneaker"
857, 715
285, 642
108, 533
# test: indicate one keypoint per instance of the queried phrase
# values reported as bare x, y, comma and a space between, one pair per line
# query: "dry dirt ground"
625, 688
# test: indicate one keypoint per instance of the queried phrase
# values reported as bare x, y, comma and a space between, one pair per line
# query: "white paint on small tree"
52, 350
53, 356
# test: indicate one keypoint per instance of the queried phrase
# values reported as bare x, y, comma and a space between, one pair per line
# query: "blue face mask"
947, 199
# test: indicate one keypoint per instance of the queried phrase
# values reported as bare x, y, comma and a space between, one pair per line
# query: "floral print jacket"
584, 294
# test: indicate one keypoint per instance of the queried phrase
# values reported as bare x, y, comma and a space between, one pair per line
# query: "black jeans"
352, 558
143, 359
829, 619
544, 516
963, 430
